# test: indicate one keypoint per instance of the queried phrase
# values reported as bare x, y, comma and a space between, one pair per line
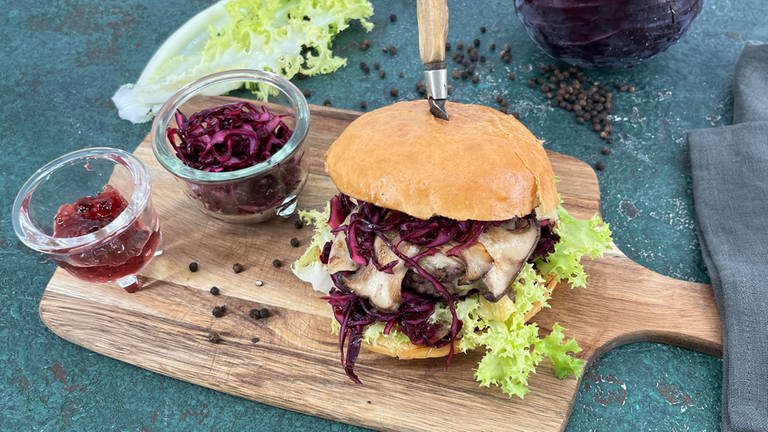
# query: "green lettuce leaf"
578, 238
308, 266
282, 36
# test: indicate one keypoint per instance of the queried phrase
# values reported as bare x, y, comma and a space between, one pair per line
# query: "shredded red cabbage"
228, 137
364, 223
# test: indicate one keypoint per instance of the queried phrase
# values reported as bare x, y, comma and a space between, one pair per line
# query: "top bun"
481, 164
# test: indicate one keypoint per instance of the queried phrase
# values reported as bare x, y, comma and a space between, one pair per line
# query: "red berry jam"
123, 254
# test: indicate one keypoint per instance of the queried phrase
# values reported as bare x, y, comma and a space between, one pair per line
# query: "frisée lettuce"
281, 36
513, 348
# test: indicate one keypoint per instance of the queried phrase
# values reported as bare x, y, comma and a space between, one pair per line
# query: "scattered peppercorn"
259, 282
606, 150
298, 224
294, 242
447, 46
264, 312
382, 74
483, 29
214, 337
364, 67
365, 44
215, 291
456, 74
363, 104
599, 166
219, 311
307, 93
255, 314
393, 18
394, 92
475, 79
492, 46
391, 49
237, 268
277, 263
255, 340
401, 74
327, 102
459, 46
193, 266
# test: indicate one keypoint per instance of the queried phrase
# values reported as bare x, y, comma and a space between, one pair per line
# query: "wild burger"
446, 236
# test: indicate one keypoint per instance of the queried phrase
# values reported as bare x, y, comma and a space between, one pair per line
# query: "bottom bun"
408, 351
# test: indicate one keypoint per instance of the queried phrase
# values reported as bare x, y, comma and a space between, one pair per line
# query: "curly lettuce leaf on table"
282, 36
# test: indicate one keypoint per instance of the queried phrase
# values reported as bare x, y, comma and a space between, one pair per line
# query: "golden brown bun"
481, 164
409, 351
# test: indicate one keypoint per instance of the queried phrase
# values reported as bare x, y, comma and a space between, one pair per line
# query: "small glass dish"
66, 211
247, 195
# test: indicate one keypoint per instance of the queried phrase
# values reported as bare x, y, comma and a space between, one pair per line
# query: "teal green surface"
63, 60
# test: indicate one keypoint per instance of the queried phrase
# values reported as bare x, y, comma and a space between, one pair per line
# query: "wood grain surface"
295, 364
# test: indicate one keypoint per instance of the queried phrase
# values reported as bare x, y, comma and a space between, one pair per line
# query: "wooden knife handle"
433, 31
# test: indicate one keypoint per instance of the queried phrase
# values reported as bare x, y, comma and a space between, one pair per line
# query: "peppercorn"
599, 166
475, 79
214, 337
482, 59
606, 150
456, 74
401, 74
447, 46
298, 224
327, 102
364, 67
476, 42
482, 29
393, 18
492, 47
307, 93
365, 44
219, 311
363, 104
277, 263
255, 314
264, 312
215, 291
382, 74
377, 65
394, 92
255, 340
392, 50
294, 242
193, 266
459, 46
237, 268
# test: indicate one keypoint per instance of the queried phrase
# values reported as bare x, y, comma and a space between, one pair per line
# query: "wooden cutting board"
295, 364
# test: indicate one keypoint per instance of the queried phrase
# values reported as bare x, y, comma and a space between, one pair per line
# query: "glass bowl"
67, 211
255, 193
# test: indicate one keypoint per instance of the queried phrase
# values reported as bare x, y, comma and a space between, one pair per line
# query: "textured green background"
61, 61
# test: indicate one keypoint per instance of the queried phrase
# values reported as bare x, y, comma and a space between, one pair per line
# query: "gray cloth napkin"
729, 167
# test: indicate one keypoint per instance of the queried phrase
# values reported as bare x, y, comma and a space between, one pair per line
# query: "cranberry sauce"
121, 255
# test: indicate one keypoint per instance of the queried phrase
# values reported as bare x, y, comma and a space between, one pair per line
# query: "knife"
433, 31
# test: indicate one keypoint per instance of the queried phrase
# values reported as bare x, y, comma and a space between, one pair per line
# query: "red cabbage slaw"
228, 137
368, 222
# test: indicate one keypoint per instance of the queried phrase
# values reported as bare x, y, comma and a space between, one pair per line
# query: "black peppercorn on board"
267, 336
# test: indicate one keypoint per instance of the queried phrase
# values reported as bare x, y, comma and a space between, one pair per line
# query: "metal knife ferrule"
436, 83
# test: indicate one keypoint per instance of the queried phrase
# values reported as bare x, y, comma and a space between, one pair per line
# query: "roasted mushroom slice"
381, 288
339, 258
510, 249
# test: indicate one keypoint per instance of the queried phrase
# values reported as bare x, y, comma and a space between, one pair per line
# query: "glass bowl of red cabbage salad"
90, 212
239, 159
